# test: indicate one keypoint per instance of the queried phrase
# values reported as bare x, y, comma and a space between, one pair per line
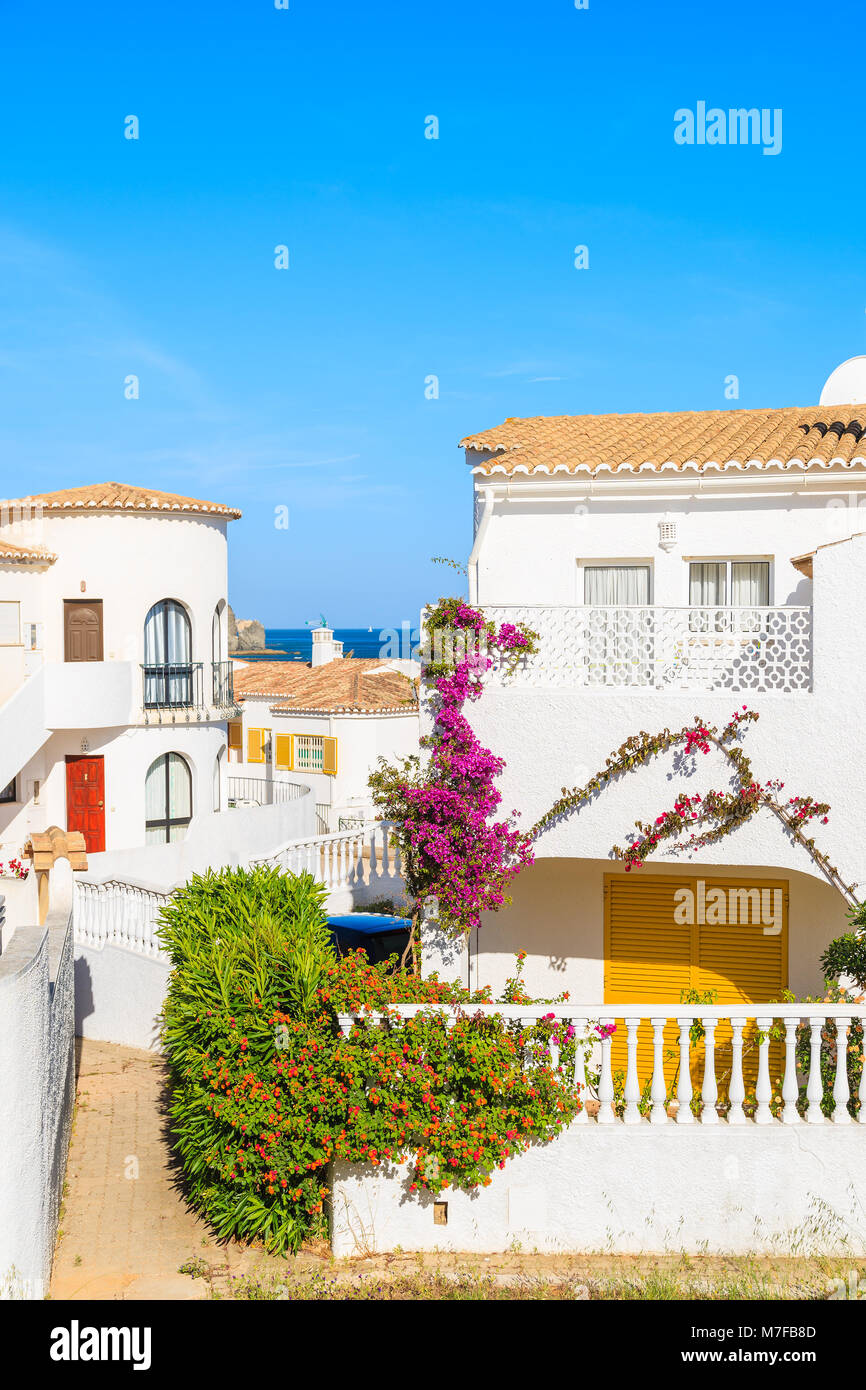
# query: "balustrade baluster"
632, 1114
737, 1088
606, 1114
684, 1080
763, 1089
658, 1092
709, 1090
815, 1088
840, 1083
581, 1052
791, 1085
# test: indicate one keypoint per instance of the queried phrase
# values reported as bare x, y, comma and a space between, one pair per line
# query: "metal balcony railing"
195, 688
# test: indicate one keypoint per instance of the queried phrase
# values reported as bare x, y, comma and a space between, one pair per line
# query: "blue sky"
409, 257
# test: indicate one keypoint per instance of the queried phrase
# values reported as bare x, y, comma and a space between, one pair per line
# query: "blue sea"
296, 643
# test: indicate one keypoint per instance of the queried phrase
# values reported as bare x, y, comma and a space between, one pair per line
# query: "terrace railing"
125, 914
117, 914
344, 860
264, 791
700, 1064
651, 648
190, 690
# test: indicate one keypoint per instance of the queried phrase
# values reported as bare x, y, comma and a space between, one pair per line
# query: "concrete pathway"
125, 1229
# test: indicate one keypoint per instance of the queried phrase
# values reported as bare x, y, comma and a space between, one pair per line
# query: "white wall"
37, 1087
361, 740
612, 1189
557, 917
118, 995
532, 549
128, 754
559, 737
130, 562
224, 838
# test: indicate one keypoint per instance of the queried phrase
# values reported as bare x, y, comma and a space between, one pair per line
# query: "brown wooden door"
82, 627
85, 800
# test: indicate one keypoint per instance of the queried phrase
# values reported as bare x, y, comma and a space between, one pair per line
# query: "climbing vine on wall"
694, 821
442, 808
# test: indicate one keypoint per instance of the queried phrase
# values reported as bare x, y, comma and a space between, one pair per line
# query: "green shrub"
266, 1091
846, 956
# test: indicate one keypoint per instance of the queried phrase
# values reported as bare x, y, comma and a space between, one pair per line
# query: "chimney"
325, 649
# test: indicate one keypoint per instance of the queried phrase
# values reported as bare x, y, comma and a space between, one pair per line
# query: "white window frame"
12, 603
587, 562
728, 561
304, 743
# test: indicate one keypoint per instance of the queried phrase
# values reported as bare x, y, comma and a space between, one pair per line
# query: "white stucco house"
115, 686
672, 565
327, 722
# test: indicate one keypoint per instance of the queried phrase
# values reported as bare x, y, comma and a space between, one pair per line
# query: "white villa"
327, 721
672, 565
115, 687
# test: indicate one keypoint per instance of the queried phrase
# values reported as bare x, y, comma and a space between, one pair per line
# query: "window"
283, 752
257, 745
167, 799
217, 781
10, 624
167, 655
729, 583
616, 586
314, 753
236, 741
8, 793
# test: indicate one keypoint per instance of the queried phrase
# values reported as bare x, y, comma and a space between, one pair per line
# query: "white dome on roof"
847, 384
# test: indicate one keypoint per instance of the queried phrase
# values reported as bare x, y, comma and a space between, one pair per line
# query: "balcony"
666, 649
188, 692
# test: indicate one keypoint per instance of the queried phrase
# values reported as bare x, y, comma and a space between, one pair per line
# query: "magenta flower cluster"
467, 857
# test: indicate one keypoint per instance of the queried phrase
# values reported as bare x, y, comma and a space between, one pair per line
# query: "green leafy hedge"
266, 1092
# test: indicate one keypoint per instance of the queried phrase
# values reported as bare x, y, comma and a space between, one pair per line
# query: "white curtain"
154, 801
750, 583
176, 806
619, 586
167, 644
179, 787
708, 584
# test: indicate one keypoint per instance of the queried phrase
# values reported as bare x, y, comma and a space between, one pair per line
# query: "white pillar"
445, 955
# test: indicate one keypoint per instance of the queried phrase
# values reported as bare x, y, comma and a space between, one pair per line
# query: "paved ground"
125, 1230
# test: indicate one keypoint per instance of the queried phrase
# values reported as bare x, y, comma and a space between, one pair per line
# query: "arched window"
218, 665
167, 655
217, 779
167, 799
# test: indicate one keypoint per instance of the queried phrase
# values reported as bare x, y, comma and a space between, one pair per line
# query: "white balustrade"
682, 648
753, 1029
343, 860
117, 914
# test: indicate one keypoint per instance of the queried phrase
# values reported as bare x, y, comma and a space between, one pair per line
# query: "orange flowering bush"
267, 1092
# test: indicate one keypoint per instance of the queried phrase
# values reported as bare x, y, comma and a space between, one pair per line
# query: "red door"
85, 800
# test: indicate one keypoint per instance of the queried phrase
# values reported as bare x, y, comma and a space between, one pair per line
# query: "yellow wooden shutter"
283, 758
236, 734
651, 958
255, 745
329, 755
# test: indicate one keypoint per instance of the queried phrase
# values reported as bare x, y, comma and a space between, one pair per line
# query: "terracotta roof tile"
795, 436
351, 684
25, 554
121, 497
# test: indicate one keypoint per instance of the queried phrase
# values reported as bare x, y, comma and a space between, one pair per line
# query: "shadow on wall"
118, 996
